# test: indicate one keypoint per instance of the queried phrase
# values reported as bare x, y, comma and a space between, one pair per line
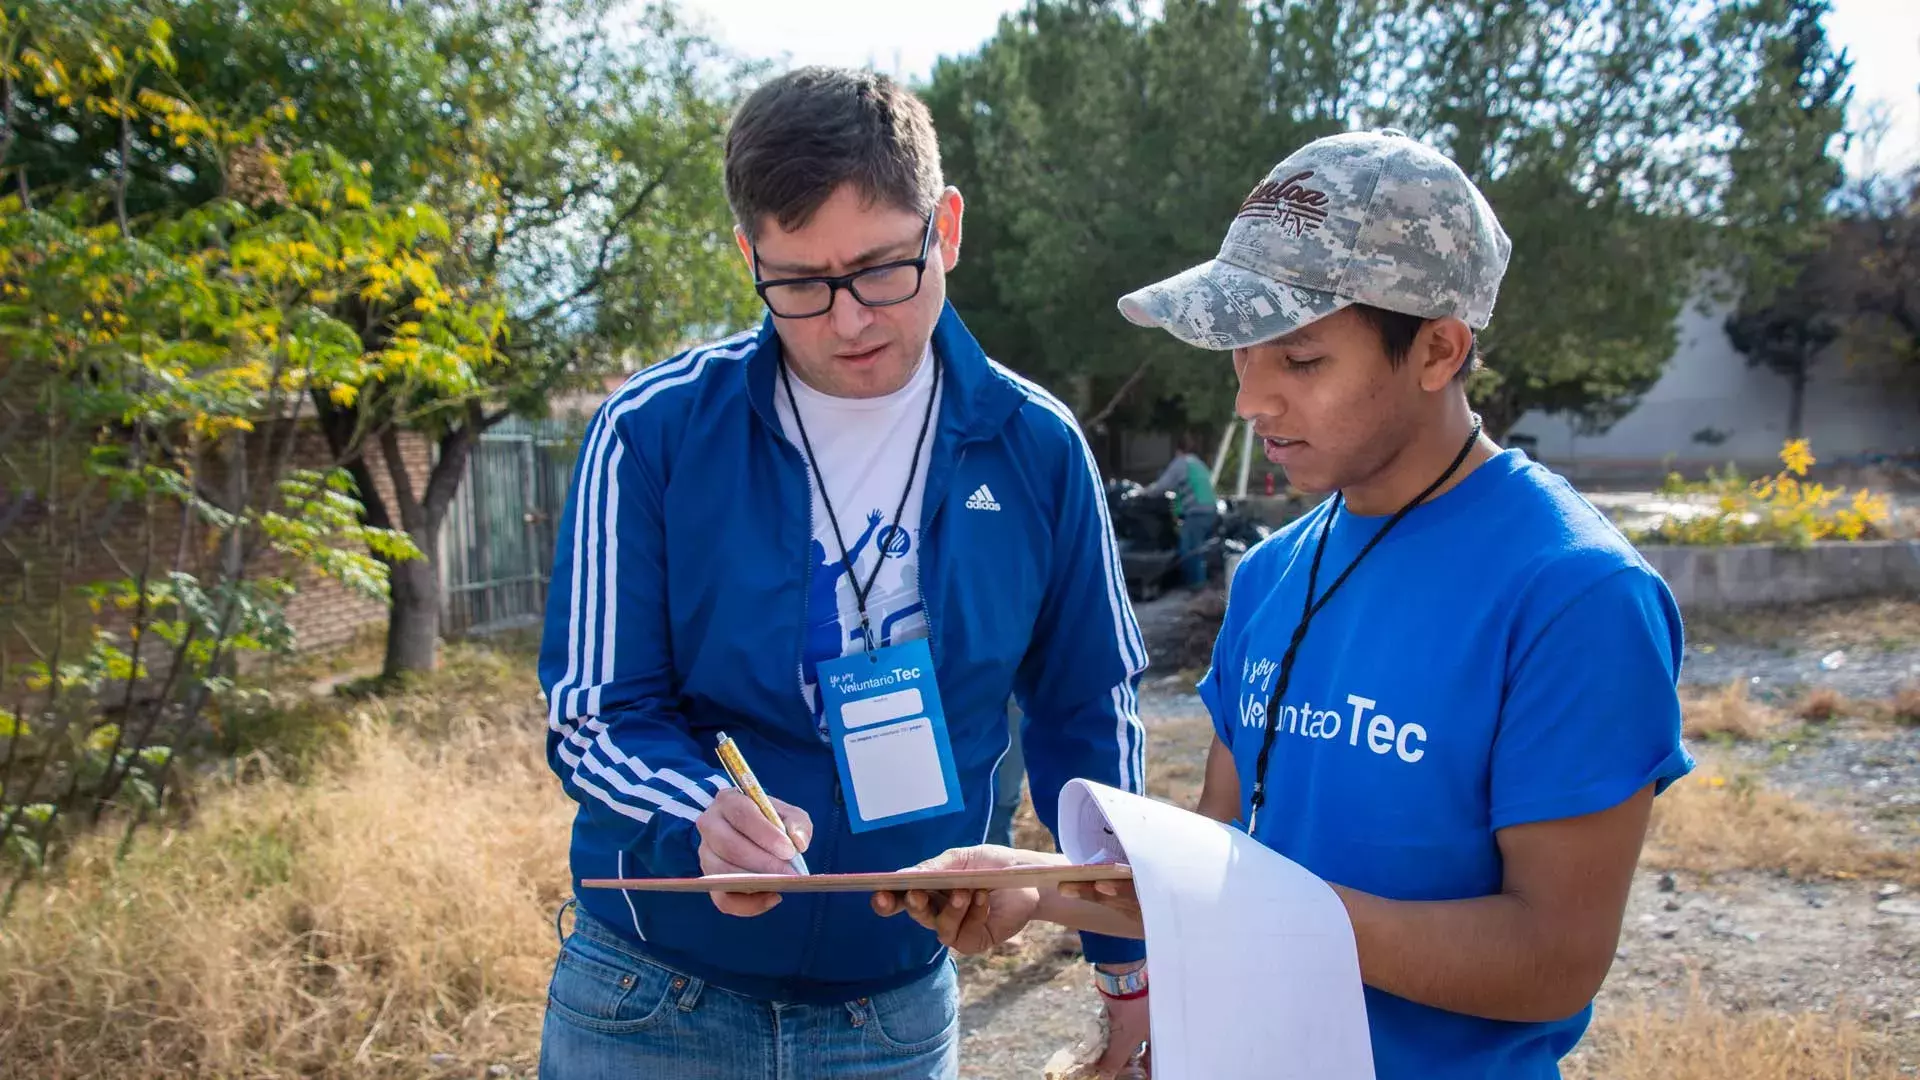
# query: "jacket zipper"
927, 514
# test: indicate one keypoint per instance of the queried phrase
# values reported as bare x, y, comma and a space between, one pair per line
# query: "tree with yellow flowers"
155, 368
570, 152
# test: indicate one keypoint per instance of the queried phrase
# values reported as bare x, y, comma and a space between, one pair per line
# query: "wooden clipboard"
1044, 876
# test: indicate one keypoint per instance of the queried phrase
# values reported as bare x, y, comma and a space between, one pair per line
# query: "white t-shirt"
863, 448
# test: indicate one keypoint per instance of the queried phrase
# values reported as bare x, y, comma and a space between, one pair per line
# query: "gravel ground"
1868, 770
1762, 941
1868, 671
1020, 1007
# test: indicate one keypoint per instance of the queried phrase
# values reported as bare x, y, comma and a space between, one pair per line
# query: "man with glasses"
754, 526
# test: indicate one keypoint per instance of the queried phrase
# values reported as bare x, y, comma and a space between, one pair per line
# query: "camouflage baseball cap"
1373, 218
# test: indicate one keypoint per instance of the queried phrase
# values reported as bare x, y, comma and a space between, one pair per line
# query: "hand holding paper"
1227, 922
1042, 876
972, 921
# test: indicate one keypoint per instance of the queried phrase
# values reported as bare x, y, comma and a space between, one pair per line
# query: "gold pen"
749, 785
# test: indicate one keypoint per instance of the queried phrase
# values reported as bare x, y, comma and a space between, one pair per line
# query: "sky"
905, 39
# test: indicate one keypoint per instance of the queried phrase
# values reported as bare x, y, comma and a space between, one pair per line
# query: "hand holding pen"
747, 831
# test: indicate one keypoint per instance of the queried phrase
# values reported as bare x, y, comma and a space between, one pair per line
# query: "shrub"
1784, 508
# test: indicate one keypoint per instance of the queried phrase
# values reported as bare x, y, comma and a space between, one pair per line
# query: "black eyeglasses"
876, 286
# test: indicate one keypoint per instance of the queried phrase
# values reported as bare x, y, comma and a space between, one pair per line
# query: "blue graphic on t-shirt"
825, 633
896, 618
895, 542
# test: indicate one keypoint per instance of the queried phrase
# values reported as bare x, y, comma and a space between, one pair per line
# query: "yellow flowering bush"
1783, 508
156, 369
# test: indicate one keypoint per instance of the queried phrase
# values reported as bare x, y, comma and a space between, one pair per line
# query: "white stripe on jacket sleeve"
600, 768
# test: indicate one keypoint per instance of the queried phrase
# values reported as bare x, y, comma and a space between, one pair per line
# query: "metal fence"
500, 531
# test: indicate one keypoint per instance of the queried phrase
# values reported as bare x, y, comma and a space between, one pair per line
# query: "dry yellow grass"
1719, 818
1636, 1042
1727, 710
1904, 706
1823, 704
398, 905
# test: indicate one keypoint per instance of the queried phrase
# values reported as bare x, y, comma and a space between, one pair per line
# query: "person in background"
1191, 483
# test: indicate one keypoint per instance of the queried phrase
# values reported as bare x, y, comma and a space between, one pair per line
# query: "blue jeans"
1196, 528
613, 1014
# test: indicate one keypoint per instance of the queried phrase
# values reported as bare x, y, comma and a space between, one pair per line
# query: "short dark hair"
800, 136
1397, 329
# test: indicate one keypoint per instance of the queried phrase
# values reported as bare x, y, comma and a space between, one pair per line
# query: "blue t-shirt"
1503, 656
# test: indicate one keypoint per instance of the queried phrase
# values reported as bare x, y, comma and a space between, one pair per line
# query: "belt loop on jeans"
689, 989
560, 914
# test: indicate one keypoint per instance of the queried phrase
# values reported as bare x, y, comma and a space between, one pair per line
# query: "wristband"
1125, 987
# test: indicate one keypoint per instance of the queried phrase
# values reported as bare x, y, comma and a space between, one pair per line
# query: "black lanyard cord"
860, 592
1312, 607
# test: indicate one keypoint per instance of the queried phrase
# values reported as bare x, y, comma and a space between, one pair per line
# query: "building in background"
1712, 407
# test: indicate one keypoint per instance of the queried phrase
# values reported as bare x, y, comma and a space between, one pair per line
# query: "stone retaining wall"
1751, 575
1754, 575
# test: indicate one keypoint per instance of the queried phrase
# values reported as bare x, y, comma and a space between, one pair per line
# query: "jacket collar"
976, 400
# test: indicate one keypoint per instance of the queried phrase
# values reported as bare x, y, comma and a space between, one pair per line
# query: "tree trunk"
413, 615
1119, 395
413, 619
1796, 400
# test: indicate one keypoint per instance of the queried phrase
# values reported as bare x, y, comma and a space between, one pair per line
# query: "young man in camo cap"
1449, 689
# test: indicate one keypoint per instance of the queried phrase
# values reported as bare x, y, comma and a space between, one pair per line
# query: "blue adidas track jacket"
677, 610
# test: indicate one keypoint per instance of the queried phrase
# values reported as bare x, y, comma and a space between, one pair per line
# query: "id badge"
889, 736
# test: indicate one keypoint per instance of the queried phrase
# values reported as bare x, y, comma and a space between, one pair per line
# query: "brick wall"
325, 614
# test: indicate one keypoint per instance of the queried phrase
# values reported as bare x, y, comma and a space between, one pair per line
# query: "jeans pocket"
603, 989
915, 1019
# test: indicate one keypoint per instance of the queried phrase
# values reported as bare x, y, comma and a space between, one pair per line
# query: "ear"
946, 223
746, 247
1442, 347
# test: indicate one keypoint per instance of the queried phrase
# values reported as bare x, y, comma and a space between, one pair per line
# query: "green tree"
1101, 147
1788, 334
582, 174
1875, 271
1598, 130
1785, 172
573, 150
1097, 149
